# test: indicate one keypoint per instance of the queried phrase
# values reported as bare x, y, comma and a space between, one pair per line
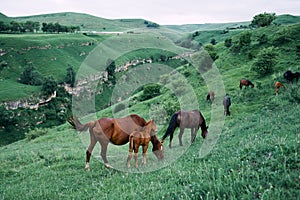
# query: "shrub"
150, 91
35, 133
265, 61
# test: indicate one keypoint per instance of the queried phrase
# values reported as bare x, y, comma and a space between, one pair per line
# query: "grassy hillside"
207, 27
281, 19
4, 18
86, 22
255, 155
49, 54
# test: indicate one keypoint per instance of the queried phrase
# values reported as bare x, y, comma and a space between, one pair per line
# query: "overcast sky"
159, 11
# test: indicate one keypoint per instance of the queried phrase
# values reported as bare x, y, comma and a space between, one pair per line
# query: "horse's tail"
172, 125
131, 140
77, 125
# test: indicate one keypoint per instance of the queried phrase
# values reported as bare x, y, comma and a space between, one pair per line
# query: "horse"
210, 96
111, 130
186, 119
227, 104
142, 138
277, 86
289, 76
246, 83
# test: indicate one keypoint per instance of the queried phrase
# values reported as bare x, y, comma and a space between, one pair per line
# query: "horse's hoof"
87, 169
107, 166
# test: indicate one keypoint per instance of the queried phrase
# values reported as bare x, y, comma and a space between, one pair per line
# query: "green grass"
255, 157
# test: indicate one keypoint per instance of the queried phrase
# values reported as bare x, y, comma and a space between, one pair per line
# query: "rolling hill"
255, 154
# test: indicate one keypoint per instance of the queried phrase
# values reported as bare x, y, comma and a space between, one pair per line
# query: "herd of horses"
136, 131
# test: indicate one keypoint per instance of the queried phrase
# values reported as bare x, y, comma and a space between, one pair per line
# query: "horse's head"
204, 131
158, 148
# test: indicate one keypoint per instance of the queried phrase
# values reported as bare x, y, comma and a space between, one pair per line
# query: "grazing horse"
186, 119
110, 130
289, 76
246, 83
226, 103
142, 138
277, 86
210, 96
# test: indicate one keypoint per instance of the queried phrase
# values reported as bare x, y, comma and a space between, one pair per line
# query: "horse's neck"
154, 139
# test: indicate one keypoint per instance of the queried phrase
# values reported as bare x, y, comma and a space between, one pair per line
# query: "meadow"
254, 156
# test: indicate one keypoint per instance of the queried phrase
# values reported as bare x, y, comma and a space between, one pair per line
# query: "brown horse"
277, 86
142, 138
210, 96
186, 119
114, 130
246, 83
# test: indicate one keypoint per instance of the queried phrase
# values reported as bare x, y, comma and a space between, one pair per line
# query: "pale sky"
160, 11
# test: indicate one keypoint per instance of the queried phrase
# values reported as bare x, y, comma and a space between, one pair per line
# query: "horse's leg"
136, 151
89, 151
145, 148
129, 156
180, 136
171, 138
193, 134
104, 145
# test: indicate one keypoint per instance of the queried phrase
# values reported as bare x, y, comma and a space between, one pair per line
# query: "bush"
265, 61
150, 91
35, 133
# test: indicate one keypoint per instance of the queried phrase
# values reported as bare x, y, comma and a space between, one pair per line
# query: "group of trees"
31, 76
30, 26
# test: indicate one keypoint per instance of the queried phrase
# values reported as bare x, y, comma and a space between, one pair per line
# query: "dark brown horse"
142, 138
210, 96
290, 76
186, 119
227, 104
246, 83
114, 130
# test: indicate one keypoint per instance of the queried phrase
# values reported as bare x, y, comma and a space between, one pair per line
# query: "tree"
70, 76
111, 67
245, 39
30, 76
264, 19
49, 86
228, 42
265, 61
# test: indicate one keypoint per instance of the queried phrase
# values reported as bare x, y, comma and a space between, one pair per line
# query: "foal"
140, 138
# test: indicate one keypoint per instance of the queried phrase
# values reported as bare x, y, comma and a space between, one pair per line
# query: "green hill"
86, 22
253, 156
4, 18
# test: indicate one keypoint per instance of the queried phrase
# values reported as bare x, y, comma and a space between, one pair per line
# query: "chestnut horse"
210, 96
142, 138
246, 83
277, 86
114, 130
186, 119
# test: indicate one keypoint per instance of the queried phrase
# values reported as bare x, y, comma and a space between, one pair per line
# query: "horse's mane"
172, 125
